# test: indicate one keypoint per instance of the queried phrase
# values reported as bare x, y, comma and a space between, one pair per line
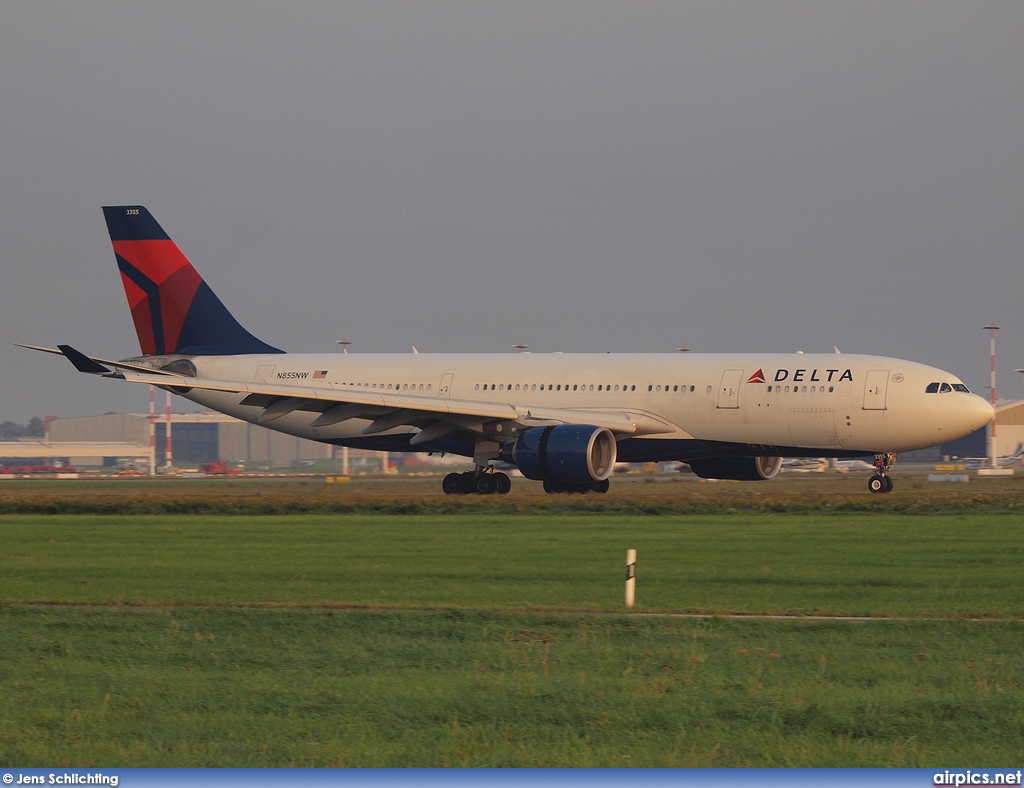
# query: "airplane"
1017, 458
560, 418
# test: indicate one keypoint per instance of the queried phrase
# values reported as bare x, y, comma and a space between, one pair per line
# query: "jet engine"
744, 469
576, 453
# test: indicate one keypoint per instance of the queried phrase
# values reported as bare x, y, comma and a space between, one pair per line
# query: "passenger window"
933, 388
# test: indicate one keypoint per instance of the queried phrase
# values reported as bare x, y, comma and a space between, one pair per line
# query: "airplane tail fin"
174, 310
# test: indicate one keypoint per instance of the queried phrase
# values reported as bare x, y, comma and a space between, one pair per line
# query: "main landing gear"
881, 482
480, 482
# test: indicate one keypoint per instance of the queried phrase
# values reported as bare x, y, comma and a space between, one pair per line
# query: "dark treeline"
9, 430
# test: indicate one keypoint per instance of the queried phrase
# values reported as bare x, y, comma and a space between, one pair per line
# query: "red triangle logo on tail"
757, 377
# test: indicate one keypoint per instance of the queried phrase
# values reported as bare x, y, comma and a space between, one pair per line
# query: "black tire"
552, 488
602, 486
452, 484
876, 484
502, 484
484, 484
888, 484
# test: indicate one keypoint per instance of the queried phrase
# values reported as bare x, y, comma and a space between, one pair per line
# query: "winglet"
82, 362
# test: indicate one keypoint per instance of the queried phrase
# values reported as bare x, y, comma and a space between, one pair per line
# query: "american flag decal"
320, 373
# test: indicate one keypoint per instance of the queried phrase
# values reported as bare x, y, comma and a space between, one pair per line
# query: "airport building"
196, 438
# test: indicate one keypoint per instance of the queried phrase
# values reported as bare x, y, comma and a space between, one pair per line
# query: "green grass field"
873, 565
489, 639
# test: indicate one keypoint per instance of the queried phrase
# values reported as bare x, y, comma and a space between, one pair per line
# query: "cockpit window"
933, 388
946, 389
961, 387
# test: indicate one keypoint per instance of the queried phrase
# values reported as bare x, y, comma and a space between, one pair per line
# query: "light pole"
992, 328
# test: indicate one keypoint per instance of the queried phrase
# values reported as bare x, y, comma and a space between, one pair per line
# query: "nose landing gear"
881, 482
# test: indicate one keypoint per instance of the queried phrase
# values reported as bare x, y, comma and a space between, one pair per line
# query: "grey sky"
732, 176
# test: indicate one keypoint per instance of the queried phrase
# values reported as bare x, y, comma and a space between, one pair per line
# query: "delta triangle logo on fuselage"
757, 377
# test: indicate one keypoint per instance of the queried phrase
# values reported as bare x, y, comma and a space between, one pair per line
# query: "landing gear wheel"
502, 484
881, 482
484, 484
452, 484
602, 486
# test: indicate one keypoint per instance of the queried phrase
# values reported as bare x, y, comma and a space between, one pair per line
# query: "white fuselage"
831, 405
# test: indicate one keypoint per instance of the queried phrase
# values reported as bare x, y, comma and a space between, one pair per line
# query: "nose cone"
978, 412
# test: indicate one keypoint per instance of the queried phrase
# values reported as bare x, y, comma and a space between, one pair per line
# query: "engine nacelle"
563, 453
743, 469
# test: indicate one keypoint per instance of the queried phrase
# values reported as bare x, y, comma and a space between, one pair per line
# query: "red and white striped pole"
152, 432
992, 328
169, 463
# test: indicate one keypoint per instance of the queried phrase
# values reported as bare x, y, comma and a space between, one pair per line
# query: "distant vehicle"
805, 464
845, 466
27, 470
219, 468
1007, 460
563, 419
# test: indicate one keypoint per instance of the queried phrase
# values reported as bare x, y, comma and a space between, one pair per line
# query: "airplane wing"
434, 416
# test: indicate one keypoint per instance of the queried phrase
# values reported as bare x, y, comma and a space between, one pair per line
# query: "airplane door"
446, 385
874, 389
265, 374
729, 390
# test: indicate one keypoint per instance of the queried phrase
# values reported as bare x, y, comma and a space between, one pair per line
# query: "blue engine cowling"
563, 453
744, 469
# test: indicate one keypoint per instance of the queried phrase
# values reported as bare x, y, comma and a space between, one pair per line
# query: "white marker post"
630, 577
